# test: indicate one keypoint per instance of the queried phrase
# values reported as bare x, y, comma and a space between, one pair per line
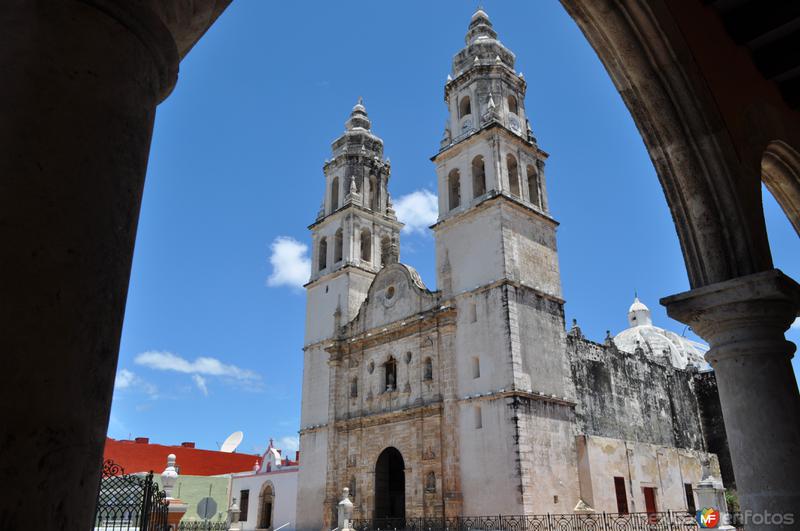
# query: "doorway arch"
266, 504
390, 485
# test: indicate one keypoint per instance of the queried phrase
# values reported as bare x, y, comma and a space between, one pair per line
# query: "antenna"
232, 442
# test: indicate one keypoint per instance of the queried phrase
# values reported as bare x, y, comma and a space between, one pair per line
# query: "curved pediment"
396, 292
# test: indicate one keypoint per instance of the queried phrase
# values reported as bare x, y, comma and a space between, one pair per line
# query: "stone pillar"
744, 321
177, 507
81, 81
233, 516
710, 494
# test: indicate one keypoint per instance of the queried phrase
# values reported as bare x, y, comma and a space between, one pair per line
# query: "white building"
267, 496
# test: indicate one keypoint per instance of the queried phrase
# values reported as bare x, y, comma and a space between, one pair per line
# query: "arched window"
464, 107
366, 245
354, 387
337, 246
265, 503
478, 177
430, 482
428, 370
386, 248
323, 254
454, 186
513, 175
334, 194
390, 374
512, 104
373, 192
533, 186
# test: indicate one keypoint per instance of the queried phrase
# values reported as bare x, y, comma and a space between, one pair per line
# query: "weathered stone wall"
629, 397
640, 464
714, 424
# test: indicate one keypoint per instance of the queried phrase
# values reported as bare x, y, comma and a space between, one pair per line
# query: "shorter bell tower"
355, 235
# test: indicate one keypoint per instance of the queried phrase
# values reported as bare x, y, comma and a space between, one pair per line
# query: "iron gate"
127, 502
669, 521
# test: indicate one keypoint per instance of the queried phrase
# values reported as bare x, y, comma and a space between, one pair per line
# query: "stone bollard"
177, 508
345, 511
233, 516
711, 495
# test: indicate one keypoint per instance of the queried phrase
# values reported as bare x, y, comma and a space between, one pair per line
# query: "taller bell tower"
355, 234
497, 263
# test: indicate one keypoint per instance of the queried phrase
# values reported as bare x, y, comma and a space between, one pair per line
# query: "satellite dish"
232, 442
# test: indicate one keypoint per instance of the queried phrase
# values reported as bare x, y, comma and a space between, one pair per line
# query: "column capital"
743, 316
168, 29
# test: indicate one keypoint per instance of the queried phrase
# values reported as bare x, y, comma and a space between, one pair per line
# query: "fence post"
145, 516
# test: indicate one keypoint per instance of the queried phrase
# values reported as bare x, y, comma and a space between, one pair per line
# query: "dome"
658, 342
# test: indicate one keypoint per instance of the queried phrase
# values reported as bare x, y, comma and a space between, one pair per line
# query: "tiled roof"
142, 456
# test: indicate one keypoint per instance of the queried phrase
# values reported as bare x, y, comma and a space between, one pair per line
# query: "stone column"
744, 321
80, 83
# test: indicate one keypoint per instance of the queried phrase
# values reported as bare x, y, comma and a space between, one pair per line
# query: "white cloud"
167, 361
418, 210
288, 444
291, 265
200, 382
124, 379
128, 380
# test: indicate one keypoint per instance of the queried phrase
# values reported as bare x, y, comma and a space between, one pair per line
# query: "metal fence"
129, 502
203, 526
669, 521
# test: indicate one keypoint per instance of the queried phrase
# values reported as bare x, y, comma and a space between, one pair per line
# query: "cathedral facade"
474, 399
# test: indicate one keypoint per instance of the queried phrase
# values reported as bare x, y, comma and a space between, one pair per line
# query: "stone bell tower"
497, 262
355, 234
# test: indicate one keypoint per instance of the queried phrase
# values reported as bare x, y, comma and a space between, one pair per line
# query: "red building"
140, 455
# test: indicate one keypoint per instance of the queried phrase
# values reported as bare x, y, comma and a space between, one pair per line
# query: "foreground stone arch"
707, 126
705, 129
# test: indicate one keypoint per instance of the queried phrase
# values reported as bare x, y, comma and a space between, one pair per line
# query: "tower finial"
361, 100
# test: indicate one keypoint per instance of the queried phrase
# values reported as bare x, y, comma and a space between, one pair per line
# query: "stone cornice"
441, 317
525, 394
490, 71
366, 212
508, 282
453, 149
346, 268
379, 418
492, 197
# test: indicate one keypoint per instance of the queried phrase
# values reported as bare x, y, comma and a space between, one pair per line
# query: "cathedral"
476, 399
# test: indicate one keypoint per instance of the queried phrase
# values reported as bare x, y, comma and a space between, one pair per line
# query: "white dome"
657, 342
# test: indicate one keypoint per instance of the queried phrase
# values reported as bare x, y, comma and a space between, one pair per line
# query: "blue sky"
213, 334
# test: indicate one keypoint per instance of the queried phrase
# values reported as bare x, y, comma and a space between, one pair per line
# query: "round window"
390, 292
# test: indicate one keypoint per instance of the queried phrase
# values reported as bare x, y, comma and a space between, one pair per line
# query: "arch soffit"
639, 45
781, 176
380, 452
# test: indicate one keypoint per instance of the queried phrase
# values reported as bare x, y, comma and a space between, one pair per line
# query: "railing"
199, 525
669, 521
129, 502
